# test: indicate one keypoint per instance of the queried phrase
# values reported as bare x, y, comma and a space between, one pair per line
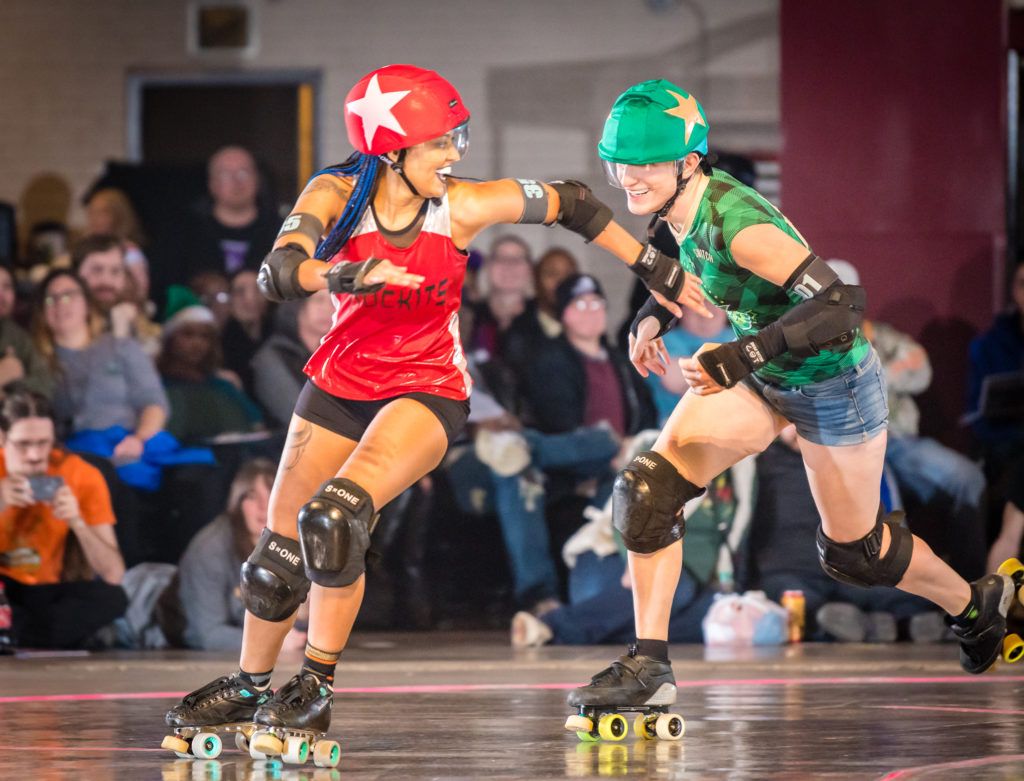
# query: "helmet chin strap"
398, 166
680, 186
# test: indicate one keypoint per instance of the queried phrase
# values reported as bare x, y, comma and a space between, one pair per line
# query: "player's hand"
700, 381
691, 296
15, 491
387, 273
647, 350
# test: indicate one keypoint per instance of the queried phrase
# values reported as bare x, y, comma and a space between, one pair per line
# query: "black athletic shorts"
350, 418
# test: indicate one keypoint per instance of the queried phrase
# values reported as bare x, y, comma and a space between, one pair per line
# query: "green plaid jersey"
727, 207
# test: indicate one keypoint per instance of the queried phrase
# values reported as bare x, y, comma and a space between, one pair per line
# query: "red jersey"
398, 340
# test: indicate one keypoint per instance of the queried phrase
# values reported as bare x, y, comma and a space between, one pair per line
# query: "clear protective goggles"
616, 172
456, 138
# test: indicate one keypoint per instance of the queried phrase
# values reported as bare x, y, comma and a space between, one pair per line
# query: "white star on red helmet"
375, 110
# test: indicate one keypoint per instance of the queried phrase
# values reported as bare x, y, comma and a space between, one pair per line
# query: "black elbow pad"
580, 210
829, 321
278, 278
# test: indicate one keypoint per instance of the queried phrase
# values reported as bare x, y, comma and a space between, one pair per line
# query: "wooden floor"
465, 706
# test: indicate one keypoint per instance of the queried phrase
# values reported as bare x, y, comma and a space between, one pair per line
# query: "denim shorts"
847, 409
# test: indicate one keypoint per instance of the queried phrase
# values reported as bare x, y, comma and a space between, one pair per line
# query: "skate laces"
203, 693
298, 687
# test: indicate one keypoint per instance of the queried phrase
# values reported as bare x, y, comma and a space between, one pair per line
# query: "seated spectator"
785, 512
691, 333
203, 404
540, 319
278, 366
999, 350
102, 381
229, 230
246, 329
59, 560
214, 292
19, 359
506, 274
100, 261
109, 212
208, 572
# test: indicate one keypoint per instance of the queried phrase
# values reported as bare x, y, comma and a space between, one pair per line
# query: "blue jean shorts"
847, 409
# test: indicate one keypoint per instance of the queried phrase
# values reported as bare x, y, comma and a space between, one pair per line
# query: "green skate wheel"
206, 745
587, 737
326, 753
612, 726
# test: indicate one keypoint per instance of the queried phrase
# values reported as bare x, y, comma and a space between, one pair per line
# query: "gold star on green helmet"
687, 111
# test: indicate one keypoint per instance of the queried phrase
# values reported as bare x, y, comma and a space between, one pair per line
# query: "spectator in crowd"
785, 511
19, 359
278, 366
579, 379
230, 232
999, 350
691, 332
102, 381
109, 212
540, 319
946, 486
59, 559
214, 292
100, 261
507, 275
45, 249
247, 327
208, 572
203, 404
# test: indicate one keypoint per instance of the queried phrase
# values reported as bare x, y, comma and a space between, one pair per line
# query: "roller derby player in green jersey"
799, 357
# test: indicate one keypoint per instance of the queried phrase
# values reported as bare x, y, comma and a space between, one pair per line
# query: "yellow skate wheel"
1013, 648
175, 744
264, 743
670, 726
643, 726
612, 726
296, 750
206, 745
326, 753
1010, 567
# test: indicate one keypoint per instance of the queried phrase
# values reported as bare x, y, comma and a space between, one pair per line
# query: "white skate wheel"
296, 750
241, 742
670, 726
206, 745
326, 753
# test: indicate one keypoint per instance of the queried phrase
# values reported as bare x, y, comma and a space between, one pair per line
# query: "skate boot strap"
621, 667
297, 687
204, 692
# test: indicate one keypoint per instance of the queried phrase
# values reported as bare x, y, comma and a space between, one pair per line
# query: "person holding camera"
59, 559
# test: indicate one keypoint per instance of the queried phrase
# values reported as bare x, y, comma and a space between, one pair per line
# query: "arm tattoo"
329, 185
297, 442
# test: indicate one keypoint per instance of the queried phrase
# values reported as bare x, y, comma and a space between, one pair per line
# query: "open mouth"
637, 193
443, 172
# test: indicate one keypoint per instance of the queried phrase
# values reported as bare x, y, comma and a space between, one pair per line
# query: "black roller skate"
631, 684
294, 721
999, 622
224, 706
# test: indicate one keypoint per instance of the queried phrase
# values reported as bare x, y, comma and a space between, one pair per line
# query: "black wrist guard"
730, 363
661, 273
579, 210
651, 308
347, 277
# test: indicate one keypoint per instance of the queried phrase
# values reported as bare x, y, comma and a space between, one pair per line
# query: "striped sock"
321, 663
259, 681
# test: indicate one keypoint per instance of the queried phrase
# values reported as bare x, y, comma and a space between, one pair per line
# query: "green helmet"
653, 122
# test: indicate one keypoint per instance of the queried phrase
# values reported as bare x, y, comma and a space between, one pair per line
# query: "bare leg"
844, 482
704, 436
405, 442
311, 455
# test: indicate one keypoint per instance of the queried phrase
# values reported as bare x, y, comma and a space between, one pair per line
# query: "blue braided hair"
364, 168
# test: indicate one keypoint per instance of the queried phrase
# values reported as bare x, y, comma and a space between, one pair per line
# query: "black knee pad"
647, 503
858, 563
274, 582
334, 529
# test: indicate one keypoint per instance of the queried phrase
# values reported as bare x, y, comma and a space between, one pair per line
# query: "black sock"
656, 649
259, 681
321, 663
970, 613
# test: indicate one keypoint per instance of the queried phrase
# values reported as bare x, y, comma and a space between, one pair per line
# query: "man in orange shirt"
59, 560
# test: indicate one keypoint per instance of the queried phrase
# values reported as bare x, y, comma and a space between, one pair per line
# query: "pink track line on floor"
910, 772
475, 687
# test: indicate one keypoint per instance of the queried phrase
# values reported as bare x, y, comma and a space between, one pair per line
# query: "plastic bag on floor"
745, 619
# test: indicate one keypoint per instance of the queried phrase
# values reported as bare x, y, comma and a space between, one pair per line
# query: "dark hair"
247, 476
41, 335
90, 244
18, 403
366, 170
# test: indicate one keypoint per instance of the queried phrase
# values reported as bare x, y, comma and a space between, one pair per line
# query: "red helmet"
398, 106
